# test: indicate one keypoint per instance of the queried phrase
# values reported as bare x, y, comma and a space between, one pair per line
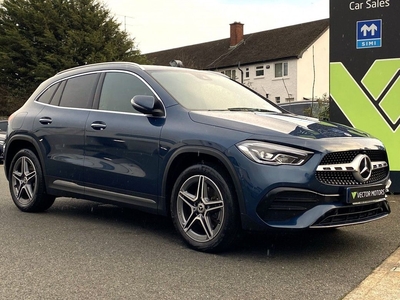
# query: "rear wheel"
26, 183
204, 208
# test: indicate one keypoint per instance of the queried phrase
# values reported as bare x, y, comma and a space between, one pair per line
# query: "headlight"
273, 154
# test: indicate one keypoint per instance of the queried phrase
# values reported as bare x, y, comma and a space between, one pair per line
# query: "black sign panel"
365, 71
344, 15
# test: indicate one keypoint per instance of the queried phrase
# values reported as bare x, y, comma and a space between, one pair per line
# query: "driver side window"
118, 90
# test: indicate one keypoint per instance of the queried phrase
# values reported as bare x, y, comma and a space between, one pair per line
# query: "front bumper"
299, 197
297, 208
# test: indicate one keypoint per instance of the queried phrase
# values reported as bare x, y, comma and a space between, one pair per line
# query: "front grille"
334, 168
353, 214
345, 157
347, 178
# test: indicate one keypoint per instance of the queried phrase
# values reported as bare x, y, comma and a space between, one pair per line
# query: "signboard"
369, 34
365, 71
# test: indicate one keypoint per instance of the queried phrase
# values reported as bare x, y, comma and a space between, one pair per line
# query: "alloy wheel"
200, 208
24, 180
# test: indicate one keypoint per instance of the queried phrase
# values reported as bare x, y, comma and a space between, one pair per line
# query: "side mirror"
148, 105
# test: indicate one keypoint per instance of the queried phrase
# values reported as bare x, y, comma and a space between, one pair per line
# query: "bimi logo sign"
369, 34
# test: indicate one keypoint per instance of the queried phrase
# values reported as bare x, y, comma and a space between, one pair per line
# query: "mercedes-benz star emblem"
364, 169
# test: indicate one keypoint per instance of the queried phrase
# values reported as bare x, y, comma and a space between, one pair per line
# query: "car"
304, 107
3, 133
208, 152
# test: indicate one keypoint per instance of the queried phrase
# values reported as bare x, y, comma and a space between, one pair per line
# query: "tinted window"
79, 91
58, 93
118, 90
48, 94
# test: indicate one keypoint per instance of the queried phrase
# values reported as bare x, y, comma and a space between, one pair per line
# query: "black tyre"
204, 208
27, 184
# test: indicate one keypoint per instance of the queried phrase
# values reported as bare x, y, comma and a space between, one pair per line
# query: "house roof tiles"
264, 46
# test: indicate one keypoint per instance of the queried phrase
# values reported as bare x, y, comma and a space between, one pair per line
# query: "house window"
281, 70
259, 71
277, 99
247, 75
230, 73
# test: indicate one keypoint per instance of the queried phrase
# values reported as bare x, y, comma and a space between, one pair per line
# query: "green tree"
319, 108
39, 38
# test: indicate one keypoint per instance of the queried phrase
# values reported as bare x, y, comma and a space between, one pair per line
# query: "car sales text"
369, 4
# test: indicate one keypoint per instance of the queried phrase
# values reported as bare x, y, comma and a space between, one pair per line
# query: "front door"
122, 145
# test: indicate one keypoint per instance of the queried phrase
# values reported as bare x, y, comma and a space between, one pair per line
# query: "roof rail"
99, 64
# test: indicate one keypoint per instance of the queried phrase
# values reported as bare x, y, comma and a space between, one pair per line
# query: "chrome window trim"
92, 109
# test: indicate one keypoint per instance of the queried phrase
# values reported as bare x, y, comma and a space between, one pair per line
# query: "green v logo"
374, 105
380, 86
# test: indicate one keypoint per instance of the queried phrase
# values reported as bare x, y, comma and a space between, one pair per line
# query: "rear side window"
79, 91
118, 90
48, 94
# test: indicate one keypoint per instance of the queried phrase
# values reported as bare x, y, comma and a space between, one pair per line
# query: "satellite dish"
176, 63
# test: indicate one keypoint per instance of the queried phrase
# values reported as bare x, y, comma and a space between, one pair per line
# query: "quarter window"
48, 94
58, 93
281, 70
118, 91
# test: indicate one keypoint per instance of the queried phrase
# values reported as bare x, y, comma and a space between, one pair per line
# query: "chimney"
236, 33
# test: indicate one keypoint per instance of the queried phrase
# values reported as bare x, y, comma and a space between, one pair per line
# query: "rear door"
122, 145
60, 127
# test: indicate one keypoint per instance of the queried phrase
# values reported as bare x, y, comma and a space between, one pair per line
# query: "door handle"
98, 125
45, 120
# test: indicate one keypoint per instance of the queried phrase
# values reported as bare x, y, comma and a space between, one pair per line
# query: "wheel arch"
16, 143
188, 156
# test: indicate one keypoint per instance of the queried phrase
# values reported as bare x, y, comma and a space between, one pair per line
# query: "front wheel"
204, 208
26, 183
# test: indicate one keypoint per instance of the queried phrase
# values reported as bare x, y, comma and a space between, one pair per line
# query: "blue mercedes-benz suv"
205, 150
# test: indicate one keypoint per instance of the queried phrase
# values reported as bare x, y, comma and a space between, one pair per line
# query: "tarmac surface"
86, 250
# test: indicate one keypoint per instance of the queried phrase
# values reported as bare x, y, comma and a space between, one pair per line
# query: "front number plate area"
359, 195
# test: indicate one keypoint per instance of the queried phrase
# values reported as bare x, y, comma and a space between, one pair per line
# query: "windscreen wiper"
249, 109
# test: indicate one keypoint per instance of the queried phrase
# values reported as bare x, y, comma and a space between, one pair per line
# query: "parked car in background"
3, 133
307, 107
194, 145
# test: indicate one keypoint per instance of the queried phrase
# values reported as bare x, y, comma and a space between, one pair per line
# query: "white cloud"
158, 25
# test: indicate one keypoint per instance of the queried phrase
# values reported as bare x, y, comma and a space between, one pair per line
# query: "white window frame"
230, 73
260, 71
284, 69
247, 73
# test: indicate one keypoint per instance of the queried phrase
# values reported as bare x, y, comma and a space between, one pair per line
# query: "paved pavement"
383, 283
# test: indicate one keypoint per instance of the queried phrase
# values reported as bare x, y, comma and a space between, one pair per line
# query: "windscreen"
201, 90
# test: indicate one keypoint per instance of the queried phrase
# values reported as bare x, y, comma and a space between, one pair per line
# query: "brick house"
284, 64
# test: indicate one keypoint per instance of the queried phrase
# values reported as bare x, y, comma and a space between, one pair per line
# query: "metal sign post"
365, 71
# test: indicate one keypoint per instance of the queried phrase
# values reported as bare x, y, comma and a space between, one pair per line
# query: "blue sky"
160, 24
